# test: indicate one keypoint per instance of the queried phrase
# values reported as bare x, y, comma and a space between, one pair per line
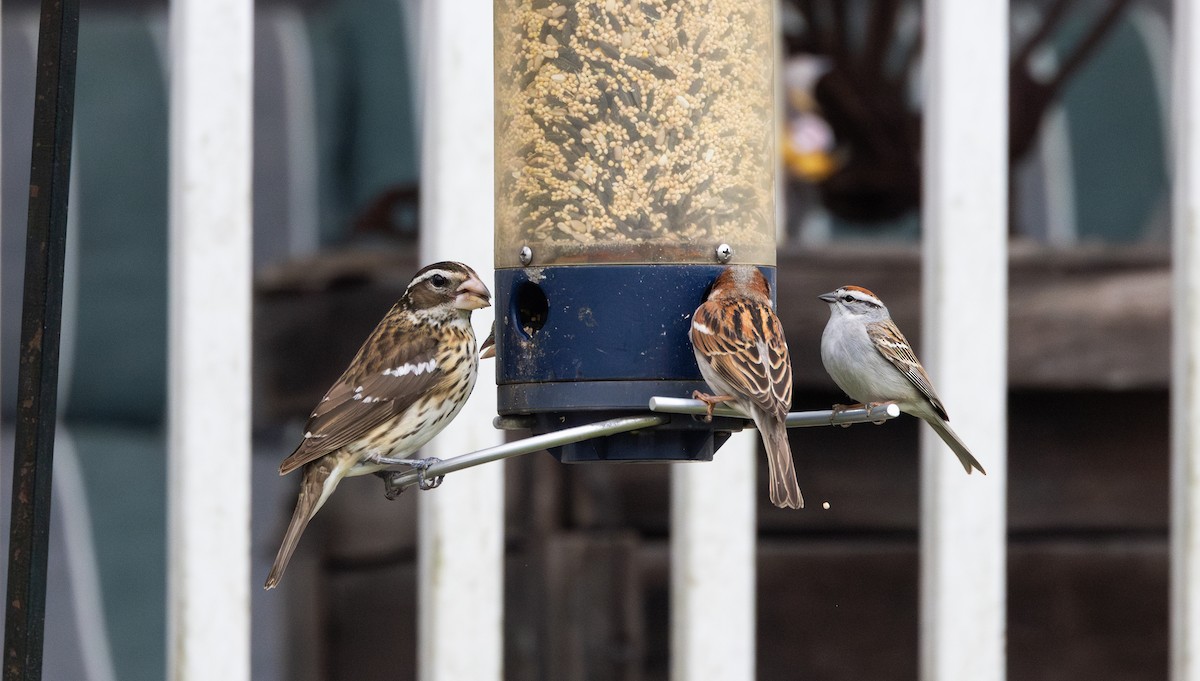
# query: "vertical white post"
712, 564
462, 522
1185, 360
964, 341
209, 340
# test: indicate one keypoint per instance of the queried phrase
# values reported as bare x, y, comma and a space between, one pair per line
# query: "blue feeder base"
583, 343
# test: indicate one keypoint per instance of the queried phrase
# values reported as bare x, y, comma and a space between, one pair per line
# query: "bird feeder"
635, 159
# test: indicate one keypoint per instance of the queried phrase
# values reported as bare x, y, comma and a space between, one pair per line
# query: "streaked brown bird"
407, 382
743, 356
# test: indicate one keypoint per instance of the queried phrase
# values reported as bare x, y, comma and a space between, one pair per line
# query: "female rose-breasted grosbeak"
743, 356
407, 382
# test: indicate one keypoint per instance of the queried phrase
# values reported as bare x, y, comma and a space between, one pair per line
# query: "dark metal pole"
41, 319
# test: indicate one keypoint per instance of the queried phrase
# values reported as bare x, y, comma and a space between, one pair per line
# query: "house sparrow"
743, 356
872, 362
407, 382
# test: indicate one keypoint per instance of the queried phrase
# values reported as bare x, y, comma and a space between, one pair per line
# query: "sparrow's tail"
320, 477
954, 442
785, 491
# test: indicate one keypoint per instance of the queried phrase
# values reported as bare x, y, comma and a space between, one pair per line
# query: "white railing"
461, 540
713, 531
208, 476
1185, 360
965, 273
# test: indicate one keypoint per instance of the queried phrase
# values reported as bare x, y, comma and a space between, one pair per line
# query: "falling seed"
825, 505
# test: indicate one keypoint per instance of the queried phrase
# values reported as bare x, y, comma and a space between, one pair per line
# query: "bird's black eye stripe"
848, 298
438, 280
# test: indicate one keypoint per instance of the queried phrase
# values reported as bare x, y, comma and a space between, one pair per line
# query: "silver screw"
526, 255
724, 253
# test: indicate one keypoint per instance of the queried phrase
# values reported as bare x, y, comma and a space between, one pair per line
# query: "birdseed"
634, 130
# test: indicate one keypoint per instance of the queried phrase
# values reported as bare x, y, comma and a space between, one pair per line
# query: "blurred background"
336, 191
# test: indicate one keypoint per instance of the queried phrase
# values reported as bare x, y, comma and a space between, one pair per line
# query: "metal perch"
433, 468
797, 419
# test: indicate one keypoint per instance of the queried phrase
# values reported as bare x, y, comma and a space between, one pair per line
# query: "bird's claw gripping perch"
423, 482
710, 401
392, 489
839, 408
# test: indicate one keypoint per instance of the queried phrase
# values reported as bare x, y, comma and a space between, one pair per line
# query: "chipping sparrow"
872, 362
409, 380
742, 355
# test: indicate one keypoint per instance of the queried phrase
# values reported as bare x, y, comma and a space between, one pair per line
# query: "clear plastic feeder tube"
634, 131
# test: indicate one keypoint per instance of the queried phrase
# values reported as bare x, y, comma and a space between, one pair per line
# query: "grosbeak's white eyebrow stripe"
428, 275
411, 368
702, 328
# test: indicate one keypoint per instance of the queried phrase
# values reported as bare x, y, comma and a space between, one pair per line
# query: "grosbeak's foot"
422, 466
391, 489
419, 465
388, 461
